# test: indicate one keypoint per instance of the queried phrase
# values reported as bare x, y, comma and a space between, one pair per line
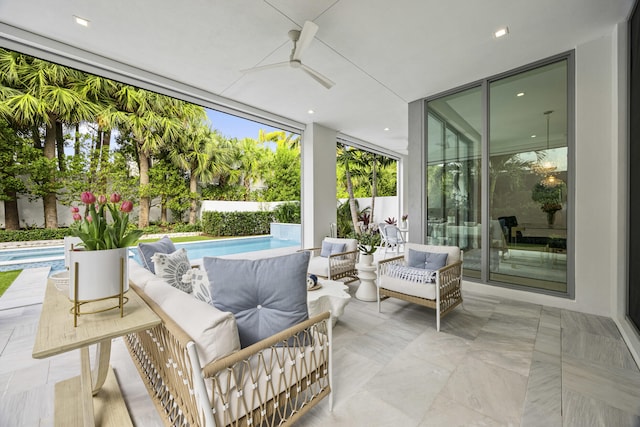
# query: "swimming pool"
17, 259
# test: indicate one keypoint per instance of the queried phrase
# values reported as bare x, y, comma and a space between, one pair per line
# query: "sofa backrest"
351, 244
452, 251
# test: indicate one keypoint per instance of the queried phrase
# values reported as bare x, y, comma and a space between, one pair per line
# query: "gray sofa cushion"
266, 295
147, 250
426, 260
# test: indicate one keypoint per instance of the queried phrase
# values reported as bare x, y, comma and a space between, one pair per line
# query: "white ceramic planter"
366, 259
70, 242
99, 273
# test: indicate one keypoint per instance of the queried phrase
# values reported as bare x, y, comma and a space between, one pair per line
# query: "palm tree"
149, 120
250, 160
200, 153
43, 95
346, 156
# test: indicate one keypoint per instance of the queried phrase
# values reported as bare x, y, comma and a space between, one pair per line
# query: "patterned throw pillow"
171, 268
199, 282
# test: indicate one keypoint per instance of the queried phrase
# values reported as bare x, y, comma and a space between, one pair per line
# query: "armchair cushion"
266, 295
350, 244
214, 332
426, 260
411, 274
147, 250
329, 248
453, 252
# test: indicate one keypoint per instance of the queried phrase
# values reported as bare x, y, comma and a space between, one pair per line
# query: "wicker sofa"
197, 374
398, 280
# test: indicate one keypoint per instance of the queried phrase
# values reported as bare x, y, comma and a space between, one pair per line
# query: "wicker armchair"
443, 294
336, 265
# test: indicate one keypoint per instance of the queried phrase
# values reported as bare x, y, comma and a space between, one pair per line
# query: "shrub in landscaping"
288, 212
236, 223
33, 234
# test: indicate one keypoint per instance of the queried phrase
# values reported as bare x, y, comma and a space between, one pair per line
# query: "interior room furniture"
336, 259
498, 243
399, 278
367, 289
95, 394
509, 225
464, 236
198, 375
332, 296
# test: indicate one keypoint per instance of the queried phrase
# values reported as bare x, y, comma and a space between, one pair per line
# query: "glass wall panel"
454, 147
528, 178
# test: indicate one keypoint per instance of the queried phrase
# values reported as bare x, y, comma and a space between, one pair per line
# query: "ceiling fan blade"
307, 34
324, 81
265, 67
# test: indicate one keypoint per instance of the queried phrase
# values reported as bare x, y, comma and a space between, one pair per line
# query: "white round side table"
367, 291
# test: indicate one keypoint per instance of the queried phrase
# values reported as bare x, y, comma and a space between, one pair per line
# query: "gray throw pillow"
332, 248
266, 295
147, 250
427, 260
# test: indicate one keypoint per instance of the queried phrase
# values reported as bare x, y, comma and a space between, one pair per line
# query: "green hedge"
33, 234
236, 223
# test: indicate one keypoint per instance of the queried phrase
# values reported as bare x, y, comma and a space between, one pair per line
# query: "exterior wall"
236, 206
598, 200
32, 213
385, 207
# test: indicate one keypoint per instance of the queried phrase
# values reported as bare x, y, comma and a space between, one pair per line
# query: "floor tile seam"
442, 396
598, 368
569, 365
20, 306
628, 406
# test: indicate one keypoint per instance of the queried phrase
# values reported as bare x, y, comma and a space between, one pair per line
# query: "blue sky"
236, 127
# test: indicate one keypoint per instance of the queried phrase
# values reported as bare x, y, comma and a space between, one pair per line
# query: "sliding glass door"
454, 174
497, 176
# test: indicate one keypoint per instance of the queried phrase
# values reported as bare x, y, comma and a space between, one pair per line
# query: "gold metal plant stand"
122, 300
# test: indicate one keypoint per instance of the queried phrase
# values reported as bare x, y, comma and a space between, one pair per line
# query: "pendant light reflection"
547, 168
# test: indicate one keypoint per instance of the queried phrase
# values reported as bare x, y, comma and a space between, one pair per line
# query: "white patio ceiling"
380, 54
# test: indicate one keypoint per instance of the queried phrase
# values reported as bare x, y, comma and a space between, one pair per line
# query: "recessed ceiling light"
310, 111
533, 136
501, 32
81, 21
386, 129
520, 94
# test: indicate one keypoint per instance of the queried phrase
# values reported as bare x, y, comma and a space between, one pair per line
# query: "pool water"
18, 259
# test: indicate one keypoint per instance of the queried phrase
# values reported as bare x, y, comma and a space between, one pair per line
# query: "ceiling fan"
301, 41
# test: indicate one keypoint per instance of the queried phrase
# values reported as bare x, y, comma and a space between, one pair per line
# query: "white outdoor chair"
335, 260
393, 238
383, 236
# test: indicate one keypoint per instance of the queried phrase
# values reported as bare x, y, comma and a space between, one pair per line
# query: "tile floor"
496, 362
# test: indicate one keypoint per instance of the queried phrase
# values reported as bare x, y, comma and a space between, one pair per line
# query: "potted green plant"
368, 242
549, 198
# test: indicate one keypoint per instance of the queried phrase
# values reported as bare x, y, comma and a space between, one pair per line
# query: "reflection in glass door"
454, 175
497, 176
528, 178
